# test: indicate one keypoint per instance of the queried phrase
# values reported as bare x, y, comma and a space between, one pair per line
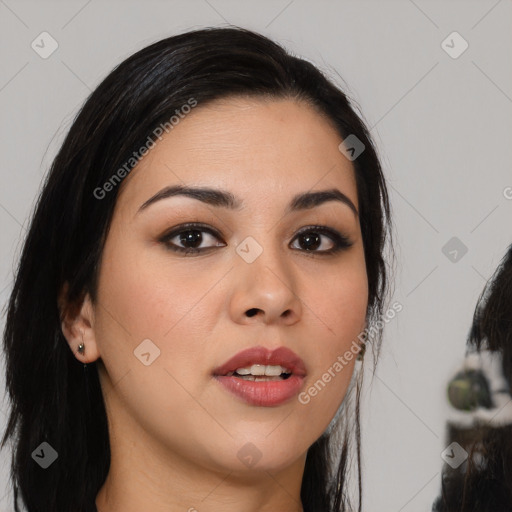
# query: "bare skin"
175, 433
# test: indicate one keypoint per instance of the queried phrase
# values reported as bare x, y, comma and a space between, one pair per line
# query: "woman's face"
165, 320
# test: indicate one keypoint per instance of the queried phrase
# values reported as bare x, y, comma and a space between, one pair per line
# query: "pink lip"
270, 393
260, 355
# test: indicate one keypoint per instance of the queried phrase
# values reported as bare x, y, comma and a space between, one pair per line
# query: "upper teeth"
261, 369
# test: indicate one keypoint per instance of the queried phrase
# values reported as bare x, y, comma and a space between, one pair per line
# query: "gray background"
443, 127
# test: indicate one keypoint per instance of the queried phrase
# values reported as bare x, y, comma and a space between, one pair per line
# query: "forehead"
255, 146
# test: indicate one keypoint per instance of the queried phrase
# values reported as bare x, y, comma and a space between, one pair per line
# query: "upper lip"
260, 355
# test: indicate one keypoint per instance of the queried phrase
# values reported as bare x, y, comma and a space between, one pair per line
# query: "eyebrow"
225, 199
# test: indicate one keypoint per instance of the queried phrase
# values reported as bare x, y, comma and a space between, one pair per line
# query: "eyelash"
340, 241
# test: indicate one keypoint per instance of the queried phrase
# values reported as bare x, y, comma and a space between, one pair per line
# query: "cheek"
142, 300
339, 299
149, 295
340, 306
342, 303
175, 306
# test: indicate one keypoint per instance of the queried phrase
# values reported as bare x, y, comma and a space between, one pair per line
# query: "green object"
469, 390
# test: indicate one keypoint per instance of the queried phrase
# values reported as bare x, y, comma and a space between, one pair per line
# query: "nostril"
252, 311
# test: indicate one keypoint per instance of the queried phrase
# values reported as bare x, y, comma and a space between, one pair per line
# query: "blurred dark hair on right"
485, 484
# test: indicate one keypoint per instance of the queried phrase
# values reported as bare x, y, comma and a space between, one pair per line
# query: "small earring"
81, 348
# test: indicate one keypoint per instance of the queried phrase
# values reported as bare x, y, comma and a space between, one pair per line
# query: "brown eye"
192, 236
313, 237
189, 238
311, 241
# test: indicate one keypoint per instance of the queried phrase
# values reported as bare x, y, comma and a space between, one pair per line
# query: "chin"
251, 455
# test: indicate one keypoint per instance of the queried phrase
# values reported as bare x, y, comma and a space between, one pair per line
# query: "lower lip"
263, 393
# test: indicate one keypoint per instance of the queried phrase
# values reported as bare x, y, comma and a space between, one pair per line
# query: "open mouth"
261, 373
261, 377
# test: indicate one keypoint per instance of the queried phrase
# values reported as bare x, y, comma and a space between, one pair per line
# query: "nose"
265, 291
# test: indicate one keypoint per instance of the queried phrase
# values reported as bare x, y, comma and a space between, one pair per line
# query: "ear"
77, 324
